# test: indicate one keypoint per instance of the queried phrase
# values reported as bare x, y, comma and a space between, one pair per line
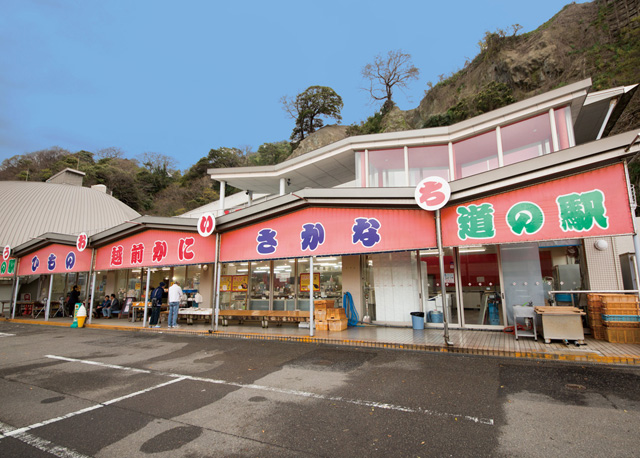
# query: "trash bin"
435, 317
417, 320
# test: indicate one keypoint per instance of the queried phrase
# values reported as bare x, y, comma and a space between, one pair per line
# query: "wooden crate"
336, 314
337, 325
597, 332
322, 325
622, 335
324, 304
621, 309
619, 300
320, 314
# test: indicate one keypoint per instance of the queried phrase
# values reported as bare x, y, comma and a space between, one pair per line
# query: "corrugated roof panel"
29, 209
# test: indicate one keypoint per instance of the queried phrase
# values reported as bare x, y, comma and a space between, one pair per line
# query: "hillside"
600, 40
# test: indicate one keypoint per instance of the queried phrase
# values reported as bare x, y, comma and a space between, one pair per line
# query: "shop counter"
561, 323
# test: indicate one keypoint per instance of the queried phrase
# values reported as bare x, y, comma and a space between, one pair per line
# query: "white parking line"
39, 443
6, 334
87, 409
306, 394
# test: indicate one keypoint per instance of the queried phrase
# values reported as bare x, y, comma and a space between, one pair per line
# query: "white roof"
29, 209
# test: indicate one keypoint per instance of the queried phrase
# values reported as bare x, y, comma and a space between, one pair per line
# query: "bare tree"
386, 72
109, 153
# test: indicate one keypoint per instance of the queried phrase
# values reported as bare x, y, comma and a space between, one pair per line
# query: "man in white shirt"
175, 293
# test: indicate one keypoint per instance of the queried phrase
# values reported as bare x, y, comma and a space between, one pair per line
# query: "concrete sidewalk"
473, 342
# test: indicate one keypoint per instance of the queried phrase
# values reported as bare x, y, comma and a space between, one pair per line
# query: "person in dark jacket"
156, 304
105, 303
114, 306
74, 297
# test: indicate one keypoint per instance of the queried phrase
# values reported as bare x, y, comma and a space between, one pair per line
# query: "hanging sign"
330, 231
6, 253
8, 267
55, 259
590, 204
81, 241
432, 193
206, 224
156, 248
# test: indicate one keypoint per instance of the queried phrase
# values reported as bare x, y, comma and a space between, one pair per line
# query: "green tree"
307, 107
271, 153
388, 72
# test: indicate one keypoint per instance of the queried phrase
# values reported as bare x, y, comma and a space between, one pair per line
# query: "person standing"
74, 297
156, 305
175, 293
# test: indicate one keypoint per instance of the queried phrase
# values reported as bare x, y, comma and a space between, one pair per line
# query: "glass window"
386, 168
475, 155
233, 285
480, 285
121, 284
192, 282
136, 285
260, 284
330, 269
526, 139
425, 161
284, 284
433, 289
179, 275
564, 127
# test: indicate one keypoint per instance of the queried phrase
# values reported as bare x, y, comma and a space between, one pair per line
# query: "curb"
594, 358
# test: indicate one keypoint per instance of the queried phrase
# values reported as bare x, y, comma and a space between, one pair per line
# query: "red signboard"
589, 204
8, 267
153, 248
55, 259
330, 231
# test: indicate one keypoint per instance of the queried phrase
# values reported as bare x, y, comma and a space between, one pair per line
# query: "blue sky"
182, 77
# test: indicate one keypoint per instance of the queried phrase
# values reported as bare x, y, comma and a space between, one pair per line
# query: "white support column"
222, 193
93, 290
146, 301
500, 152
250, 198
452, 165
366, 168
554, 130
311, 307
217, 270
283, 184
15, 297
406, 166
48, 306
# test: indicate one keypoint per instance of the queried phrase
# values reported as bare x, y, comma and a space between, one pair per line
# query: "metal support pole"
445, 306
311, 306
217, 269
282, 186
146, 301
93, 292
15, 298
48, 307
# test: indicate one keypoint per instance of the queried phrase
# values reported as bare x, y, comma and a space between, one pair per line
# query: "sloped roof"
29, 209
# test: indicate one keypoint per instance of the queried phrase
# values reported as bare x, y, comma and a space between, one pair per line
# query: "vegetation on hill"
600, 40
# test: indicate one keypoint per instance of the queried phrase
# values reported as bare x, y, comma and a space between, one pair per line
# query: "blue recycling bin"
435, 317
417, 320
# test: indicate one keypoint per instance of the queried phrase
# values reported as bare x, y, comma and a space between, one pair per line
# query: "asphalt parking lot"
104, 393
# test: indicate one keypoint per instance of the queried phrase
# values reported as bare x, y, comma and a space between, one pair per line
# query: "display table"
562, 323
192, 313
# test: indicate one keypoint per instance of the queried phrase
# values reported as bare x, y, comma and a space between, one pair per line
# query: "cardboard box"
321, 325
336, 314
338, 325
320, 314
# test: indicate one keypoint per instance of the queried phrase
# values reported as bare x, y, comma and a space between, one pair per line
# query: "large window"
526, 139
475, 155
425, 161
386, 168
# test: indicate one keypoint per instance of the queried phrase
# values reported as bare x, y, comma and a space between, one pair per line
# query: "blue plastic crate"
628, 318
